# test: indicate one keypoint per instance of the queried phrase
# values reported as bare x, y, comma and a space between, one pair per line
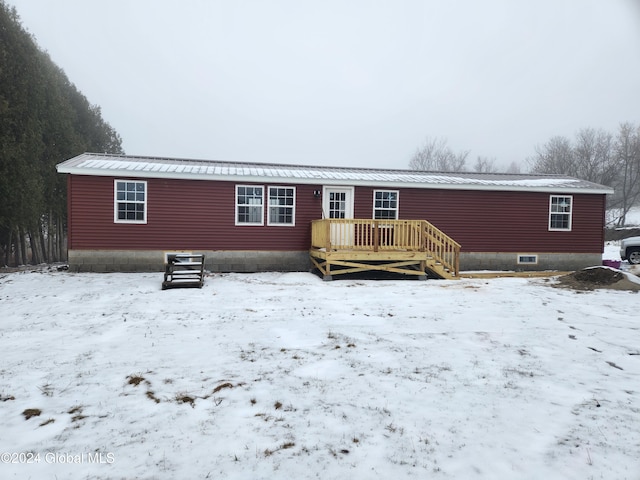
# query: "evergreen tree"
44, 119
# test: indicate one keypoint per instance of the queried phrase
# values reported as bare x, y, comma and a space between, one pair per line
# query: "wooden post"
376, 235
328, 234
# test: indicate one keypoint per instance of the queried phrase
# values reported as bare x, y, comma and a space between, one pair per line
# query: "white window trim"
551, 197
521, 256
115, 201
397, 209
293, 207
249, 224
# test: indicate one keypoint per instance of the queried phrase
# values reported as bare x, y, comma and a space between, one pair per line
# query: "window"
282, 201
130, 201
385, 204
528, 259
560, 212
249, 205
337, 204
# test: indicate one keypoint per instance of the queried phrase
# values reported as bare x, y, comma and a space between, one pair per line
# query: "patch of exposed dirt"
40, 268
597, 277
31, 412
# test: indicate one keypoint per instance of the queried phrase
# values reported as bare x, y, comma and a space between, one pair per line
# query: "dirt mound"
597, 277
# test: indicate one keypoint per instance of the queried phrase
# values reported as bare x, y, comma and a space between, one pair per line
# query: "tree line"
594, 155
598, 156
435, 155
44, 120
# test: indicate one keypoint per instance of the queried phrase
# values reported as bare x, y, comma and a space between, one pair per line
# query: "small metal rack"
183, 270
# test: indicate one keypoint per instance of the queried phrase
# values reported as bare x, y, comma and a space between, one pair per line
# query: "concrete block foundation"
215, 261
543, 261
259, 261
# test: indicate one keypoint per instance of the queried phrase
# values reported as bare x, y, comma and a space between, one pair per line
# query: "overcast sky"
346, 82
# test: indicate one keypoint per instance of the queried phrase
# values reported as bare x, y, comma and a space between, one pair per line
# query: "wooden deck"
410, 247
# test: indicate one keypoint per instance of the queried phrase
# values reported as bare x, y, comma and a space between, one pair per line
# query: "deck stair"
411, 247
444, 253
183, 270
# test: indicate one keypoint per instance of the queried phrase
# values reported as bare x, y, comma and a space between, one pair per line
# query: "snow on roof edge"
136, 166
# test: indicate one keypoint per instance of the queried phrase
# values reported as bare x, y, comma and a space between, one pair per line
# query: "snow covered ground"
633, 217
282, 375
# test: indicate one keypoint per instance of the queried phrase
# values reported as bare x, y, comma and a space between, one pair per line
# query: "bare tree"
485, 165
593, 156
627, 186
598, 157
436, 155
589, 157
554, 157
514, 167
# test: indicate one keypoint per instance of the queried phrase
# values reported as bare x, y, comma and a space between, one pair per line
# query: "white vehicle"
630, 250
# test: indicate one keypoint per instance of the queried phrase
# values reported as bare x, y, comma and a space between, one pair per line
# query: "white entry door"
338, 203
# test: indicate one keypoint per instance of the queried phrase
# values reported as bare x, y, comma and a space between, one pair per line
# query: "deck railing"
386, 235
445, 249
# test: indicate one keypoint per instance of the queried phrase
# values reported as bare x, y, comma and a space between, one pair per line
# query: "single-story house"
127, 213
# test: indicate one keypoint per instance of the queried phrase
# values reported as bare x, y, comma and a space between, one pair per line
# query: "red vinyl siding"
200, 215
490, 221
181, 215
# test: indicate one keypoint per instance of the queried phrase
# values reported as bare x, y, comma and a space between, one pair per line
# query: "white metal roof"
152, 167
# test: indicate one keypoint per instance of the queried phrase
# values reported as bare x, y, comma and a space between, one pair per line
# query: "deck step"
184, 270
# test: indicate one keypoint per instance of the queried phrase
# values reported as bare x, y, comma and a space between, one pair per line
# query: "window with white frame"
249, 205
385, 204
560, 210
282, 201
130, 204
527, 259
